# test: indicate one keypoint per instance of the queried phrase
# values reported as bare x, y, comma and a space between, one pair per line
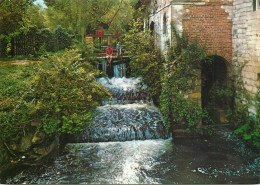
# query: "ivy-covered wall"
206, 22
230, 32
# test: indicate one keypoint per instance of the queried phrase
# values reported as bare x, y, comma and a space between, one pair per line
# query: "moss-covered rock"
26, 142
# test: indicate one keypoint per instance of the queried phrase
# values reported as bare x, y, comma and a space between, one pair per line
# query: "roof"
101, 33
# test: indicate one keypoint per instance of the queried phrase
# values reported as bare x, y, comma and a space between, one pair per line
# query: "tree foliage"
89, 15
169, 79
13, 15
36, 16
61, 94
146, 59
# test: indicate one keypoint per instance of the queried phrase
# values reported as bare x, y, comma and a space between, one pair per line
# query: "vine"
242, 120
180, 76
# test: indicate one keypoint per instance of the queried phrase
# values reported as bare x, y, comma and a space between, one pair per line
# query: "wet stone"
154, 160
123, 123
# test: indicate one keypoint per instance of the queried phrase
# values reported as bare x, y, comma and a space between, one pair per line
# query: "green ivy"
168, 80
244, 123
181, 70
146, 59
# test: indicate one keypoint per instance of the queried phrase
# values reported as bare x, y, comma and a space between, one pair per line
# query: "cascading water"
128, 143
120, 70
125, 121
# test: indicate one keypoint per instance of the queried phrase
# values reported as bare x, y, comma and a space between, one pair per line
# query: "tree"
13, 15
90, 15
35, 15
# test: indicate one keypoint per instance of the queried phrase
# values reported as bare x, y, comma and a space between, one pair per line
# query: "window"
164, 24
256, 5
152, 27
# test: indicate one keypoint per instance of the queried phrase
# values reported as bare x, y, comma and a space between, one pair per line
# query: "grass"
30, 57
18, 58
12, 79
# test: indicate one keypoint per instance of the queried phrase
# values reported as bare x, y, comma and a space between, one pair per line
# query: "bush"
179, 79
168, 80
4, 40
63, 39
47, 38
65, 94
146, 59
14, 85
241, 119
61, 94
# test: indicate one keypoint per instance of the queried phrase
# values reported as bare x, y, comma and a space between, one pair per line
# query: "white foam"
120, 83
128, 106
133, 159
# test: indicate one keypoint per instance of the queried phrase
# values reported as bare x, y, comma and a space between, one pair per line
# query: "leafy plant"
246, 124
60, 94
146, 59
181, 73
168, 81
244, 115
65, 94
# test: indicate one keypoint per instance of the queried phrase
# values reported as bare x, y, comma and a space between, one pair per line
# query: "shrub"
47, 38
14, 85
180, 75
241, 119
4, 40
168, 80
65, 94
146, 59
61, 94
63, 39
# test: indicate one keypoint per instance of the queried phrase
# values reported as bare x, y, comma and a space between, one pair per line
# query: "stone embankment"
33, 147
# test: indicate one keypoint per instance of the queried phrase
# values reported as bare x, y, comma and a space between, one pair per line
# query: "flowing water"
128, 143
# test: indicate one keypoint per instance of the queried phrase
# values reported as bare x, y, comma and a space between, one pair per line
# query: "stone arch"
214, 75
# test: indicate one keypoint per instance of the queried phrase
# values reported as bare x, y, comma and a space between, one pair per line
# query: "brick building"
229, 29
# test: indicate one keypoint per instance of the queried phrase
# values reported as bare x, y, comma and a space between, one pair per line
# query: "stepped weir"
128, 143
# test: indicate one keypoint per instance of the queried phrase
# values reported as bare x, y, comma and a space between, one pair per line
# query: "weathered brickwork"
246, 42
208, 21
227, 28
211, 26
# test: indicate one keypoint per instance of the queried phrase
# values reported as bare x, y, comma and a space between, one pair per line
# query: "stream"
128, 143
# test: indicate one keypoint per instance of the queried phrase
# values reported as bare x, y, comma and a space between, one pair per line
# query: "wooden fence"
25, 44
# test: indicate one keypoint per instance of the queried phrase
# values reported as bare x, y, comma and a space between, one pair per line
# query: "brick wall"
228, 28
210, 24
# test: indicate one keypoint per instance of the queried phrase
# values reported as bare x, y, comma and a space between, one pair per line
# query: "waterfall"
118, 67
126, 90
127, 144
120, 70
130, 115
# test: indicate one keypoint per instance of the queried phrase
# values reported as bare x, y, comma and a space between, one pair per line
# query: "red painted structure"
101, 33
101, 40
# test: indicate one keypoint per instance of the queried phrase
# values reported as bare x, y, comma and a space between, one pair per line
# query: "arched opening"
164, 23
216, 97
152, 28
